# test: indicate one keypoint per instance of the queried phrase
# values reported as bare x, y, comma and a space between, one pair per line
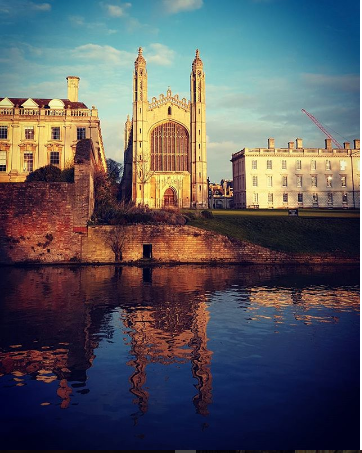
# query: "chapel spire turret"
199, 187
140, 60
197, 63
139, 129
140, 78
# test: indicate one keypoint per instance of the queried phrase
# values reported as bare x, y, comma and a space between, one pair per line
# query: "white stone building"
297, 177
38, 132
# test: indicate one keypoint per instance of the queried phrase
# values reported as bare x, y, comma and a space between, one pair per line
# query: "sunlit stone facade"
297, 177
165, 144
38, 132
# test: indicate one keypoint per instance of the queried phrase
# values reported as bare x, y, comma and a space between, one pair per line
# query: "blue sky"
264, 61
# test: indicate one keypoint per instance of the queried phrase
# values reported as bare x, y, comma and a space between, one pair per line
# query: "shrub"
49, 173
170, 217
191, 215
207, 214
67, 174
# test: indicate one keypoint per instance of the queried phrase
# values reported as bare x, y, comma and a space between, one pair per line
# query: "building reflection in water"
65, 313
170, 330
68, 314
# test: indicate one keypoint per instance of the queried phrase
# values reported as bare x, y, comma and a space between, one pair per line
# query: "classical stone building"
38, 132
297, 177
165, 144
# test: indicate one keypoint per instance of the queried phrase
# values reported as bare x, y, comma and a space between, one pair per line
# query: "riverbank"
160, 244
312, 232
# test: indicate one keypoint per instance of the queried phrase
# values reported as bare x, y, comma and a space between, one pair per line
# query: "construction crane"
315, 121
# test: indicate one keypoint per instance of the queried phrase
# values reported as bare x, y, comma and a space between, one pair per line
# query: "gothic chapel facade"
165, 145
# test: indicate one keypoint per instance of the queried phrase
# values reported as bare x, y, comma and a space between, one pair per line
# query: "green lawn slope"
310, 233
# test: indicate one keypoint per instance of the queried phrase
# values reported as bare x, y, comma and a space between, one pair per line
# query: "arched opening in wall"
169, 198
169, 147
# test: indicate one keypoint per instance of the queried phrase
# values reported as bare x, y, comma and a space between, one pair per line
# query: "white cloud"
177, 6
160, 55
103, 54
17, 7
113, 138
345, 82
77, 20
116, 10
133, 25
40, 6
218, 158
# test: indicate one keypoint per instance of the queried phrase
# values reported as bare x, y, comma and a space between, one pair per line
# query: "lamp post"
208, 192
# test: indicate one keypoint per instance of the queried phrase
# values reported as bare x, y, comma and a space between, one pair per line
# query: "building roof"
45, 102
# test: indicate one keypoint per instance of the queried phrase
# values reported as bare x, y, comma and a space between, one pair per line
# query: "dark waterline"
182, 357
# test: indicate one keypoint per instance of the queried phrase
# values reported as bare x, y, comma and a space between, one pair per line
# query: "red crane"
315, 121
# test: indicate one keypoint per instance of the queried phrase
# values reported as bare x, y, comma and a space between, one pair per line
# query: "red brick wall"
36, 222
44, 222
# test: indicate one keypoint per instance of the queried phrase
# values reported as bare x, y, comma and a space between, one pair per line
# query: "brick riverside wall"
185, 244
36, 222
41, 222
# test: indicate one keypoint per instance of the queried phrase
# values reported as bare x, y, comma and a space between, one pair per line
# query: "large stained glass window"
170, 147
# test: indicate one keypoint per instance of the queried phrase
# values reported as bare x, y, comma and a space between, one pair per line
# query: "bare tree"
144, 174
116, 239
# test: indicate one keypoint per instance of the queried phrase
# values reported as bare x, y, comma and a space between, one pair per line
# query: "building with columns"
295, 176
165, 144
39, 132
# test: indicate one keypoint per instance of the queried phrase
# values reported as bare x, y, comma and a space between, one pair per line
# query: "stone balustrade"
301, 151
48, 112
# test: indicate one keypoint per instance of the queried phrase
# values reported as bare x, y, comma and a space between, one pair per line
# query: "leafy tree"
114, 171
67, 174
114, 175
49, 173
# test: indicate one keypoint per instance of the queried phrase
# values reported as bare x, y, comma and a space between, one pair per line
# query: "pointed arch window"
169, 147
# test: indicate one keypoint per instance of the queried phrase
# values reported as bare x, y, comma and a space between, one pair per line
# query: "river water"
179, 357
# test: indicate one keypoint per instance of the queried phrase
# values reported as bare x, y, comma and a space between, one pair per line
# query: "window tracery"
169, 147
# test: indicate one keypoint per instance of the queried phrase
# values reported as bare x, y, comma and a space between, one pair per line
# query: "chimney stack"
290, 145
298, 143
328, 143
356, 144
73, 85
346, 145
271, 143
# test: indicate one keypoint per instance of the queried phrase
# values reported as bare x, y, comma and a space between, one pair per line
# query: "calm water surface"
182, 357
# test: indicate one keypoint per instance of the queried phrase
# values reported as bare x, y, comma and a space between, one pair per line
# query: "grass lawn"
343, 213
311, 232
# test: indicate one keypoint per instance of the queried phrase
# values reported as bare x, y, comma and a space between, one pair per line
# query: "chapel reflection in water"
66, 312
69, 313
